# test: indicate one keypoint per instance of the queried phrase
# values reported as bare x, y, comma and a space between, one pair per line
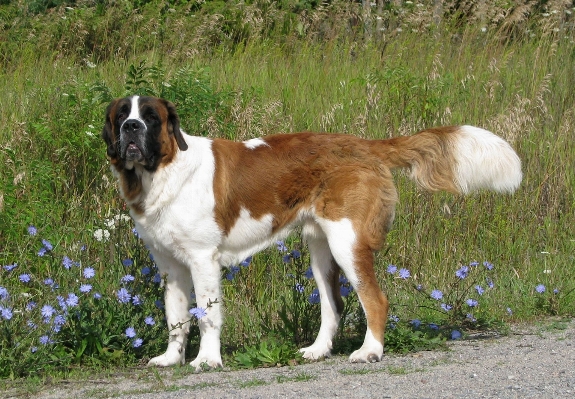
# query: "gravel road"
531, 362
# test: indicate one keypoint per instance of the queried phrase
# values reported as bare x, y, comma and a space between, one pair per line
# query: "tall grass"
311, 70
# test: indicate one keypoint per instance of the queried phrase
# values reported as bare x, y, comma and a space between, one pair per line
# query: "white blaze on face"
135, 112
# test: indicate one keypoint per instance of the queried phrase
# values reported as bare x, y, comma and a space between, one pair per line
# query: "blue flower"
72, 300
157, 278
47, 245
437, 294
556, 291
31, 305
62, 302
474, 263
42, 251
198, 312
48, 281
67, 262
404, 274
446, 307
509, 311
130, 332
281, 246
471, 302
393, 318
470, 317
89, 272
4, 293
136, 300
415, 323
246, 262
488, 266
127, 262
25, 278
308, 273
97, 295
31, 325
84, 288
286, 258
33, 349
345, 290
391, 269
6, 313
59, 320
47, 311
540, 288
233, 271
295, 254
137, 342
479, 289
299, 287
128, 278
455, 334
159, 304
433, 326
44, 340
489, 282
462, 272
149, 321
32, 230
146, 271
314, 297
123, 295
11, 267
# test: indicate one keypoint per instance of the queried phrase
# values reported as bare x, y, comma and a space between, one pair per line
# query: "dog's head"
142, 131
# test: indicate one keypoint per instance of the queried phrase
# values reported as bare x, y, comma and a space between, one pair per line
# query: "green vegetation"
242, 70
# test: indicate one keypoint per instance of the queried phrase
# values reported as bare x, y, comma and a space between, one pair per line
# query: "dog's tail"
458, 159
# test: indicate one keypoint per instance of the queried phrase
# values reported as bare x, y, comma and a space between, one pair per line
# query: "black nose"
132, 126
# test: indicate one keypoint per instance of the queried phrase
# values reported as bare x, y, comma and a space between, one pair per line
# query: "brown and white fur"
201, 204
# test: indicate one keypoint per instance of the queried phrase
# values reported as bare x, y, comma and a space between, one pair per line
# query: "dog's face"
142, 131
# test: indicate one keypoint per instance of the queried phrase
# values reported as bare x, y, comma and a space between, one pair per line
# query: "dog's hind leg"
326, 274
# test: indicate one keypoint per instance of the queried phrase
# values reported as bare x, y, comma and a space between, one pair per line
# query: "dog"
201, 204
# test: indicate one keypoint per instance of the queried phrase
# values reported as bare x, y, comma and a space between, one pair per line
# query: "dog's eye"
121, 116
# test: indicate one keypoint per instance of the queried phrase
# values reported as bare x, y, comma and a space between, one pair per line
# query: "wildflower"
11, 267
59, 320
343, 280
85, 288
281, 246
490, 283
296, 254
471, 302
437, 294
446, 307
42, 251
391, 269
419, 287
198, 312
47, 244
25, 278
433, 326
128, 278
137, 342
48, 281
136, 300
479, 289
488, 265
540, 288
6, 313
149, 321
233, 271
101, 235
455, 334
72, 300
462, 272
159, 304
556, 291
127, 262
470, 317
135, 232
89, 272
44, 340
404, 274
97, 295
473, 264
123, 295
130, 332
509, 311
345, 290
3, 293
31, 325
47, 311
157, 278
299, 288
314, 297
32, 230
246, 262
33, 349
415, 323
393, 318
286, 258
67, 262
146, 271
308, 273
30, 305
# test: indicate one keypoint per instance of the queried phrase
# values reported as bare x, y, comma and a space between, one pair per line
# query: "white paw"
170, 358
316, 351
367, 354
206, 361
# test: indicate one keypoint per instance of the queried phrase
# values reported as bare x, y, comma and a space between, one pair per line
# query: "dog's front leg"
177, 302
206, 277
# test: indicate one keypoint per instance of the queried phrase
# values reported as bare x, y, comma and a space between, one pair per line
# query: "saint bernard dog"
201, 204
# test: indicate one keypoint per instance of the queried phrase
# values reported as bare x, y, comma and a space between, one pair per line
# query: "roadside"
531, 362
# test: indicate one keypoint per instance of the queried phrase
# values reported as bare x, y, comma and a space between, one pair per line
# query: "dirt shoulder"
536, 361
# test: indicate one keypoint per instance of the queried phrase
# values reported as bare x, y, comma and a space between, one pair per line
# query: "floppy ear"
174, 125
108, 134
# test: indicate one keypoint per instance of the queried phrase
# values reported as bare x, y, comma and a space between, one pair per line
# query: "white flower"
101, 235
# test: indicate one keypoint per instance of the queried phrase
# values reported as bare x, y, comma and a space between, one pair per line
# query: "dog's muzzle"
132, 140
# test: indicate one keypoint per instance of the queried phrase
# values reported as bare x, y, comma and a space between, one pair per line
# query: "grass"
293, 74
